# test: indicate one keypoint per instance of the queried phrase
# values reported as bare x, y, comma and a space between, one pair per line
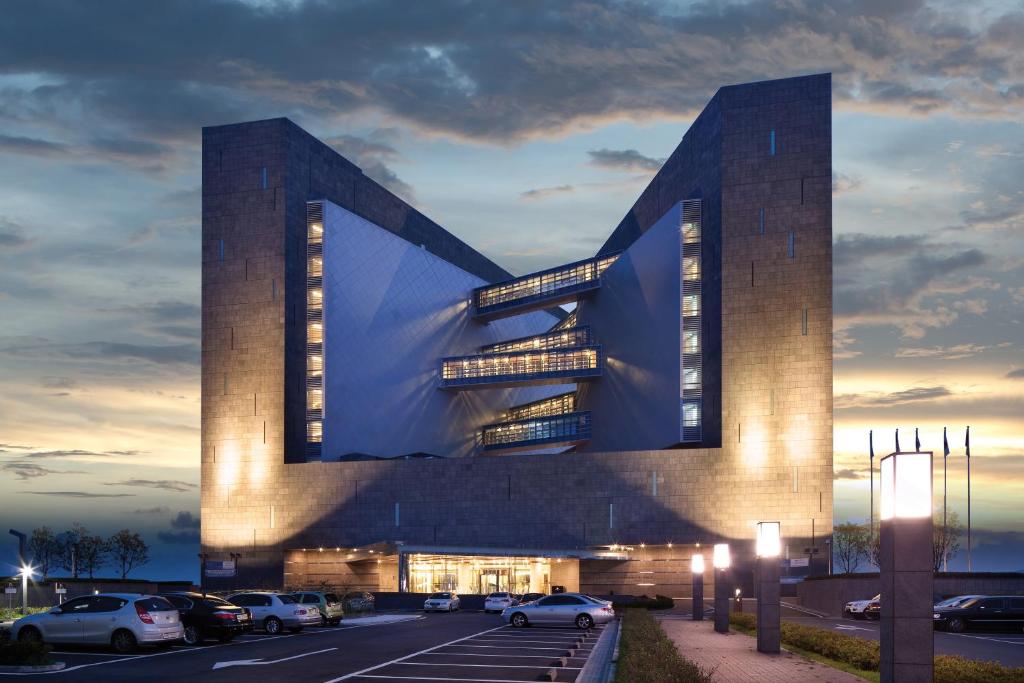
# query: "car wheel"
519, 620
192, 636
584, 621
295, 629
323, 620
956, 625
123, 641
272, 625
30, 634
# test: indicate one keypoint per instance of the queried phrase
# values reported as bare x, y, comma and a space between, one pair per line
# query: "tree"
945, 544
69, 549
128, 551
93, 553
851, 544
44, 548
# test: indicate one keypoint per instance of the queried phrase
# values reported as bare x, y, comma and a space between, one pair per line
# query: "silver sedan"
566, 609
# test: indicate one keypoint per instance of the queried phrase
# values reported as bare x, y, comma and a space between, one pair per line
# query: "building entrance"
479, 574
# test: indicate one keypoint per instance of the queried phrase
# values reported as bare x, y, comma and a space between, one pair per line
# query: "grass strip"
647, 654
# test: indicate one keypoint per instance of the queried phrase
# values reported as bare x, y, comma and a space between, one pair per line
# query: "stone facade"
767, 453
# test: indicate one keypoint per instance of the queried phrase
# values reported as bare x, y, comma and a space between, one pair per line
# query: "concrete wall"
635, 317
829, 594
392, 310
43, 593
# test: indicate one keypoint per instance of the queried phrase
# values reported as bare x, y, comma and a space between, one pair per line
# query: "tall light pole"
906, 637
967, 447
945, 533
871, 461
721, 560
769, 627
26, 574
697, 587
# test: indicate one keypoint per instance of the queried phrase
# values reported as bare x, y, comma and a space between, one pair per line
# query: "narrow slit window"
760, 221
791, 246
263, 178
771, 142
220, 250
803, 321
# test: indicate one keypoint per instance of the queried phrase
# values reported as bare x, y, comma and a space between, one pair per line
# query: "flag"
967, 442
871, 443
897, 439
945, 444
917, 441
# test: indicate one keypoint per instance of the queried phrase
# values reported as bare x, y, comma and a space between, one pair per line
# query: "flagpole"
871, 447
945, 534
967, 444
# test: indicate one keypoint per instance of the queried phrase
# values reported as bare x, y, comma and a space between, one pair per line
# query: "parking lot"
464, 646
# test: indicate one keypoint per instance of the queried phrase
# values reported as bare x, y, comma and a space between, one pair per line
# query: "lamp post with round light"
769, 546
721, 560
697, 586
905, 564
26, 574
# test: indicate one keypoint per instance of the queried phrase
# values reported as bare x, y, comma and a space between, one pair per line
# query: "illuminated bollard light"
697, 585
769, 546
721, 560
905, 559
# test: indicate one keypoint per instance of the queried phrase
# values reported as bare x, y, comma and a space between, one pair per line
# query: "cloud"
844, 184
58, 382
545, 192
80, 494
185, 520
624, 160
954, 352
179, 537
76, 453
16, 446
11, 237
1015, 374
370, 155
106, 352
912, 395
165, 484
13, 144
847, 474
158, 510
25, 471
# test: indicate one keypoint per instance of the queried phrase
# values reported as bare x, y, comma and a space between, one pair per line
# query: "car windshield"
287, 599
440, 596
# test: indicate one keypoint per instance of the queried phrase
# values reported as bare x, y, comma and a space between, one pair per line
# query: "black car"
209, 617
990, 612
357, 601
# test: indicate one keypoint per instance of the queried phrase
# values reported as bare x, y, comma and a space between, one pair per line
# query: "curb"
597, 668
32, 669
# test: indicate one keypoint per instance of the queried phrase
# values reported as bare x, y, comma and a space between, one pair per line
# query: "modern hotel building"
385, 408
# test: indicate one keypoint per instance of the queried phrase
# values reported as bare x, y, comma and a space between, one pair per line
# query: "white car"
856, 608
121, 620
444, 601
273, 612
498, 601
575, 609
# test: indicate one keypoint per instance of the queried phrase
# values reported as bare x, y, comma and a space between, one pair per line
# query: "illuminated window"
691, 379
314, 431
691, 267
691, 414
691, 341
760, 221
691, 305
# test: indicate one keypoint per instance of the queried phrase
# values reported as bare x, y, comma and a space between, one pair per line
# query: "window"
285, 599
760, 221
331, 597
691, 267
691, 378
310, 599
1017, 604
104, 603
691, 305
220, 250
691, 414
148, 604
263, 178
771, 142
803, 322
76, 605
791, 247
691, 341
990, 604
178, 601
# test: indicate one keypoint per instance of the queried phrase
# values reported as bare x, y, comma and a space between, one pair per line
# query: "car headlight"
936, 616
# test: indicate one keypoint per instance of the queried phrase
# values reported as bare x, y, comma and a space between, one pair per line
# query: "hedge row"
13, 614
657, 602
647, 654
865, 655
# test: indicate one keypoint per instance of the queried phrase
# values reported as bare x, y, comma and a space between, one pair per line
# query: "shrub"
24, 654
657, 602
13, 614
647, 654
949, 669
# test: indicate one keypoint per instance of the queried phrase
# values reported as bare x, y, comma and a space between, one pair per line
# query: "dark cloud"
185, 520
893, 398
165, 484
1015, 374
843, 183
624, 160
104, 351
74, 453
371, 156
16, 446
25, 471
12, 144
544, 192
179, 537
80, 494
159, 510
58, 382
847, 474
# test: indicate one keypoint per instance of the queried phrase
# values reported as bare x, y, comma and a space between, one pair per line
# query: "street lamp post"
721, 560
769, 627
26, 574
905, 558
697, 586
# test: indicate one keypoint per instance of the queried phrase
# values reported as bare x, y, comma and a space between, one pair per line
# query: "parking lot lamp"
697, 586
26, 573
905, 564
721, 560
769, 547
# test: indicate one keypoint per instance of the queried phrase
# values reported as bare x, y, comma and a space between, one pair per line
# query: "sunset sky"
527, 129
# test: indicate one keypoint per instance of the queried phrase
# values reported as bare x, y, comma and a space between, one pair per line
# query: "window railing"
577, 336
522, 366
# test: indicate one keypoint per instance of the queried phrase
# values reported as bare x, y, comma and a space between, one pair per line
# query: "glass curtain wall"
479, 574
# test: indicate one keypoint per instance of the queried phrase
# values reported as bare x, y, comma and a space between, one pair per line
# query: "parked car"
441, 602
327, 604
563, 608
122, 620
990, 612
497, 601
530, 597
955, 600
874, 609
856, 608
207, 616
275, 611
358, 601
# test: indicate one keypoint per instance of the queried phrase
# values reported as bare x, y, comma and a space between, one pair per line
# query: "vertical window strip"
803, 321
263, 178
791, 246
771, 142
397, 514
314, 319
220, 250
611, 515
690, 294
760, 221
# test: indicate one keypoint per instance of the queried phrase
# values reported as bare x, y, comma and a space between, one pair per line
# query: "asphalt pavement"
463, 646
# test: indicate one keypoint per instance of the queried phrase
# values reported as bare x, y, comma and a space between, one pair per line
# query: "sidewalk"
736, 660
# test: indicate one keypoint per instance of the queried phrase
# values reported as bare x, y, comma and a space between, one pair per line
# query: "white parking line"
94, 654
548, 642
426, 678
364, 672
480, 654
489, 666
994, 640
502, 647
